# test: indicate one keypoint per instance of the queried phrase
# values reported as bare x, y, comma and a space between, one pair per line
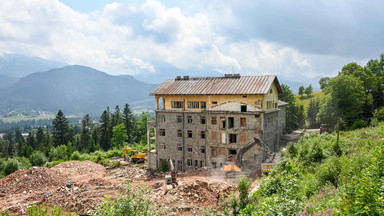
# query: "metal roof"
218, 85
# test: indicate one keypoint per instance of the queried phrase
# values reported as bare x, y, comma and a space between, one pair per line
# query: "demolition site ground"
79, 187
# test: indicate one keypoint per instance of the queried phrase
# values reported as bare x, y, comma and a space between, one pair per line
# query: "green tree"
313, 110
85, 136
31, 140
61, 131
129, 122
40, 139
308, 91
116, 117
292, 109
344, 97
38, 158
301, 91
119, 135
324, 82
105, 141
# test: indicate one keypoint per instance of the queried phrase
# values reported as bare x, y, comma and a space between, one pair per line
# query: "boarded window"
222, 151
213, 152
213, 121
243, 121
230, 122
193, 104
213, 135
243, 137
177, 104
223, 138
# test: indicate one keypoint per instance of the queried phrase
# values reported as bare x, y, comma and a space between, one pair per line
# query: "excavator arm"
258, 142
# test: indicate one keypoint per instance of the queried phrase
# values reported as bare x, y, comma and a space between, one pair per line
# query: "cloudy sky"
287, 38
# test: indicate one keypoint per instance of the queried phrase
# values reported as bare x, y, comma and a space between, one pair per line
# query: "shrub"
358, 124
379, 114
75, 156
11, 165
38, 158
136, 201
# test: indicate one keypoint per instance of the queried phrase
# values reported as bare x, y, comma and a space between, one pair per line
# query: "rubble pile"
74, 186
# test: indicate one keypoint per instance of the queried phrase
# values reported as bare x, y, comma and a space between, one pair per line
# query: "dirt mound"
83, 171
74, 186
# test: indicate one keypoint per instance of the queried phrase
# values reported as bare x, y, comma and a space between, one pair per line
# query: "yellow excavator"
134, 155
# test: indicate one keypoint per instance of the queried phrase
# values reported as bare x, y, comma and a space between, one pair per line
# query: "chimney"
186, 77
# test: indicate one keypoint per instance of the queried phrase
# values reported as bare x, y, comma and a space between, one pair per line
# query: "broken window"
232, 151
270, 91
203, 104
202, 120
214, 165
243, 121
202, 134
222, 122
232, 138
189, 162
189, 149
213, 121
196, 163
230, 122
180, 148
243, 108
189, 119
244, 96
179, 119
162, 132
179, 133
177, 104
214, 102
189, 134
202, 150
193, 104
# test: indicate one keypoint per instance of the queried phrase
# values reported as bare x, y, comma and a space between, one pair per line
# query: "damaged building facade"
206, 121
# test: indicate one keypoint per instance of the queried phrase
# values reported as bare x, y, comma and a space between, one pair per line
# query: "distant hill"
7, 81
20, 66
76, 90
305, 100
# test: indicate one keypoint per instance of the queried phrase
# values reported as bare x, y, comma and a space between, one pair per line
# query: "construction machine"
237, 165
134, 155
171, 178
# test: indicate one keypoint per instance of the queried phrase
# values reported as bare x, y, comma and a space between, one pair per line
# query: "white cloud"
133, 38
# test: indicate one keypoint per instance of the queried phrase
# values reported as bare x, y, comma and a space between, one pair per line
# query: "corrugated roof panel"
217, 85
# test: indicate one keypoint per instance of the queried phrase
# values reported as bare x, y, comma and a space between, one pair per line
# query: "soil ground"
81, 186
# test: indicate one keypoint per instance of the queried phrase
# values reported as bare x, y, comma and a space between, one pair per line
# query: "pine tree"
85, 136
40, 139
105, 130
129, 122
61, 132
116, 117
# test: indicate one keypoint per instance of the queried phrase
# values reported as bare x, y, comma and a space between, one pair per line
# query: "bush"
136, 201
379, 114
11, 165
358, 124
38, 158
75, 156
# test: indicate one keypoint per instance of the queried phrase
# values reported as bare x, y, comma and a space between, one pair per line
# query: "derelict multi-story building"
205, 121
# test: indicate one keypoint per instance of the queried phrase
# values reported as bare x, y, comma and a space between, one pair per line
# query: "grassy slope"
314, 178
305, 100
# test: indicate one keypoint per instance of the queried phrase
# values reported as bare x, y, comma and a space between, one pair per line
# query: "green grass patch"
305, 100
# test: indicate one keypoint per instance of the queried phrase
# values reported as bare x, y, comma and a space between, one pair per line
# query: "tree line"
114, 130
353, 99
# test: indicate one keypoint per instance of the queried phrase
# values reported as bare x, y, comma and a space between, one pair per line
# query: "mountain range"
76, 90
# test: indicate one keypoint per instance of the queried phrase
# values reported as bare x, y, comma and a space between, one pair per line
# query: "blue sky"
157, 39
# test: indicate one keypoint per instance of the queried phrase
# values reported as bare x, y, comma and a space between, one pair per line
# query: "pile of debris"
74, 186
